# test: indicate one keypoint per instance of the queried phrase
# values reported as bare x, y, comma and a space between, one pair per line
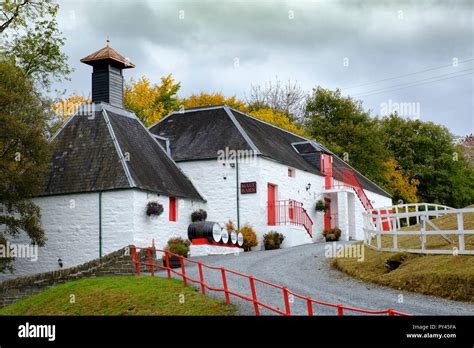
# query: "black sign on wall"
248, 187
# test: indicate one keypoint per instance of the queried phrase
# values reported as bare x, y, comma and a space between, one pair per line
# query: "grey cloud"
199, 49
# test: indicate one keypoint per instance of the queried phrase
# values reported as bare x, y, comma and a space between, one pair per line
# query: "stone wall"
117, 263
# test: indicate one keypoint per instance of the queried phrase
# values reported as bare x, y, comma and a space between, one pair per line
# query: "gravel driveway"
304, 269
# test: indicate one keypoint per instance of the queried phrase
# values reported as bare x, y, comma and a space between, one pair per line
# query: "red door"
327, 214
172, 211
271, 204
326, 168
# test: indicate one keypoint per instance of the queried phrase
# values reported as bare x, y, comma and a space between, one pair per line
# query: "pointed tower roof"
110, 55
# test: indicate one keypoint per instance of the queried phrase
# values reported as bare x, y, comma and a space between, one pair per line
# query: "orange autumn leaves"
152, 101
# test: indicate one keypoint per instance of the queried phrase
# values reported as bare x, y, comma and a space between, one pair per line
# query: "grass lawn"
446, 276
120, 296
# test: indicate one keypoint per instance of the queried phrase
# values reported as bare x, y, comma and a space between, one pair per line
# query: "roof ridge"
241, 130
128, 175
267, 123
184, 111
152, 136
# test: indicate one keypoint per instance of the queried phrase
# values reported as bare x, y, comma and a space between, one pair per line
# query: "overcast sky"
225, 46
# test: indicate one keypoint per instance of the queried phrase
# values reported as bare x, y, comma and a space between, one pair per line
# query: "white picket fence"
403, 215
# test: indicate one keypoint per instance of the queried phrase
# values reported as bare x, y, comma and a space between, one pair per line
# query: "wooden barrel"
240, 239
205, 229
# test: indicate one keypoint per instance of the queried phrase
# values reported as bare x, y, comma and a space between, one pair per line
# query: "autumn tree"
64, 109
401, 187
209, 99
266, 114
277, 119
151, 102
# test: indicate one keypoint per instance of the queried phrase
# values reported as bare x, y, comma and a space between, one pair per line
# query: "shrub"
321, 206
199, 215
178, 246
229, 226
154, 208
332, 234
273, 240
250, 238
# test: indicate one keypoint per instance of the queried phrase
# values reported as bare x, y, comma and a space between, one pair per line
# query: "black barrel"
205, 229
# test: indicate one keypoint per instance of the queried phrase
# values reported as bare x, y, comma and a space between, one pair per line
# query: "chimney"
107, 78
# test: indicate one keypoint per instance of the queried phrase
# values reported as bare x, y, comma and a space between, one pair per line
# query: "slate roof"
199, 133
108, 149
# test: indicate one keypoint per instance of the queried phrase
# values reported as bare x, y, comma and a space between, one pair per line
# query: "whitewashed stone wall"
160, 229
217, 183
71, 223
378, 201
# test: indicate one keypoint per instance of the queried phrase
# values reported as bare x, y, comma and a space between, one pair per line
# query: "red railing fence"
290, 212
257, 304
349, 179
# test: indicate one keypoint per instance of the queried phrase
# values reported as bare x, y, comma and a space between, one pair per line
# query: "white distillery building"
106, 166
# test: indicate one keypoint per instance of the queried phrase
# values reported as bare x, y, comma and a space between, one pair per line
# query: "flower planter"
175, 262
272, 247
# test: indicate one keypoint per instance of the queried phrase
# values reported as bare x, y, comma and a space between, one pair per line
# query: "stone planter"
272, 247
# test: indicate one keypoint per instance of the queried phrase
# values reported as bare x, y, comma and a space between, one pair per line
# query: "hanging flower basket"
154, 209
321, 206
199, 215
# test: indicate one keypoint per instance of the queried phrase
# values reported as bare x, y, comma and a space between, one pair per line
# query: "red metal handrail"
252, 280
349, 179
290, 212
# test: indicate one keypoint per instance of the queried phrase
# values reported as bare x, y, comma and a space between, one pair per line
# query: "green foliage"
341, 124
411, 159
178, 246
321, 206
32, 39
273, 240
427, 153
24, 153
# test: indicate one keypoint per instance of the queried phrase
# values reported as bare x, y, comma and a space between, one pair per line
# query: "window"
172, 216
291, 172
